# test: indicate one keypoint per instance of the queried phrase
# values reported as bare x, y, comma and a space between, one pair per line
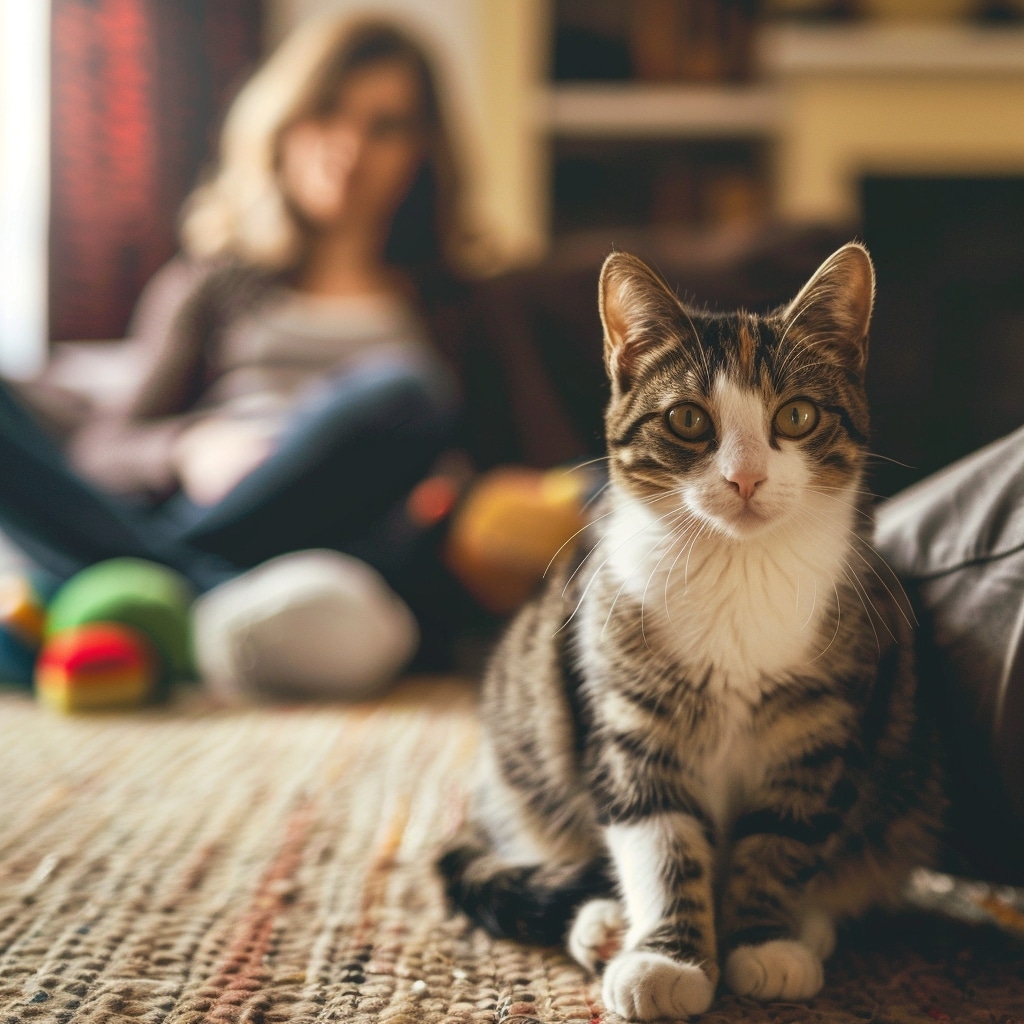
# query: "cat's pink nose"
745, 481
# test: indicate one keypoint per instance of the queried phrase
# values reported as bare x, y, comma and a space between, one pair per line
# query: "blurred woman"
290, 390
290, 396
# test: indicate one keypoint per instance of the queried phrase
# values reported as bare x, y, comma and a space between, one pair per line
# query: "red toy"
99, 666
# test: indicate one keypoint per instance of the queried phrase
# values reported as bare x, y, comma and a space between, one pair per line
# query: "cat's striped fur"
709, 719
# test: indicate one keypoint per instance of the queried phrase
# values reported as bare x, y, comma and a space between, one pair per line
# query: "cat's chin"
747, 521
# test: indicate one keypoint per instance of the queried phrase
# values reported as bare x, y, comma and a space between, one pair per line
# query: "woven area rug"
188, 864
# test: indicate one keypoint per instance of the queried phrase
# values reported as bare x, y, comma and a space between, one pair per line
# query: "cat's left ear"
835, 305
638, 312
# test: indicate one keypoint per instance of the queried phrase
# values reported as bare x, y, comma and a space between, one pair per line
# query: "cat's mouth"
750, 515
744, 518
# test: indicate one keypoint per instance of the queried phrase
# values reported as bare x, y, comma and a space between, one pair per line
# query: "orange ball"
509, 528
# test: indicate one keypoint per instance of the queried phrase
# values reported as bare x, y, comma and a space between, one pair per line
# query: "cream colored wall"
490, 53
836, 130
890, 97
513, 56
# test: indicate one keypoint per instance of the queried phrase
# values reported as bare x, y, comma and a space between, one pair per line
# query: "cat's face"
745, 422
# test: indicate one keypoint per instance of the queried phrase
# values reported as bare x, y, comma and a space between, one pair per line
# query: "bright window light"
24, 183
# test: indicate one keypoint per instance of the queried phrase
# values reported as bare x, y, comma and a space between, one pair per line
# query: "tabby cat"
705, 730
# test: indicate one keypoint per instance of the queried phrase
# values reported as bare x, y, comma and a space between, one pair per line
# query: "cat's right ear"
834, 307
638, 312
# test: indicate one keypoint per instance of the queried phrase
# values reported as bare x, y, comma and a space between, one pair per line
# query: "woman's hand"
212, 456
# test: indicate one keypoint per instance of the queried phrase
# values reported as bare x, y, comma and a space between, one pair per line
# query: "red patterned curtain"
139, 88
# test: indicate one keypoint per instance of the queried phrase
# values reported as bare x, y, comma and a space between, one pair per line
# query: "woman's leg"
65, 524
339, 479
346, 460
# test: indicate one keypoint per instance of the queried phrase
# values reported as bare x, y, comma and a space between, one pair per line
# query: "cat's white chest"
732, 615
742, 617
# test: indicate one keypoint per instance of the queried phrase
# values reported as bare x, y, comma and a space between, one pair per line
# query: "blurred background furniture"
689, 129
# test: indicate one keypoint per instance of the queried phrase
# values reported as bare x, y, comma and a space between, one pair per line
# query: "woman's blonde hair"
241, 212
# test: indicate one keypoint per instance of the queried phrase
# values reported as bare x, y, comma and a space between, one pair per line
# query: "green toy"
144, 595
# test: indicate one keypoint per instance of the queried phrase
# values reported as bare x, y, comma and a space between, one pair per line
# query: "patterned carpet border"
188, 865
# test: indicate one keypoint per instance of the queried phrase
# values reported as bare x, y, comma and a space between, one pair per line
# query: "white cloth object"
311, 624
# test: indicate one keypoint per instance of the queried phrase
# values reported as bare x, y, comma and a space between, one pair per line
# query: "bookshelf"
791, 131
653, 114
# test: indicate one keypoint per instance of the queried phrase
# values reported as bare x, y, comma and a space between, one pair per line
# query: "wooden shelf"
623, 110
643, 110
891, 50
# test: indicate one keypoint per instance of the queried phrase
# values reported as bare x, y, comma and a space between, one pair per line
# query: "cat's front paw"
781, 969
648, 986
596, 934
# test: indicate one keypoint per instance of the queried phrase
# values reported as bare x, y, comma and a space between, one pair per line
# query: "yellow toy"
508, 529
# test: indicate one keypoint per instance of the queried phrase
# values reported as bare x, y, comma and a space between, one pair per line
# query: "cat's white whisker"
597, 571
855, 538
885, 458
675, 561
611, 607
684, 514
626, 579
854, 579
858, 590
839, 617
700, 348
901, 605
595, 496
689, 553
590, 523
814, 605
576, 467
824, 490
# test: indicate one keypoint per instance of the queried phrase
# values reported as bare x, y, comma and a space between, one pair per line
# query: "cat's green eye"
689, 421
796, 418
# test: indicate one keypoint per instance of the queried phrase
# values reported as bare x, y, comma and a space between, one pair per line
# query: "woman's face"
352, 168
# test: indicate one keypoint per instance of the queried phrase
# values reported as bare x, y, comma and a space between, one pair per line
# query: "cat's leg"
596, 933
530, 902
668, 965
774, 946
817, 932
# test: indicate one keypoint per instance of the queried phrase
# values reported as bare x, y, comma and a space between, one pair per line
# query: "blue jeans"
343, 465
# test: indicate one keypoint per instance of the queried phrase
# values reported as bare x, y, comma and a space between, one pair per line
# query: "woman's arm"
130, 449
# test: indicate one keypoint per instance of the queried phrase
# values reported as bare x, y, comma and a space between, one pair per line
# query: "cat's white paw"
781, 969
596, 934
818, 933
648, 986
